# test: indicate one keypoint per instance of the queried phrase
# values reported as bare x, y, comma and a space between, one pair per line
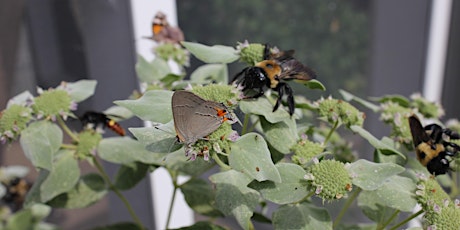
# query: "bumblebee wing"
294, 70
418, 132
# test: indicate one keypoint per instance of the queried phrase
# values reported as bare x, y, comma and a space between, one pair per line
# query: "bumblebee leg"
266, 51
452, 134
280, 89
290, 99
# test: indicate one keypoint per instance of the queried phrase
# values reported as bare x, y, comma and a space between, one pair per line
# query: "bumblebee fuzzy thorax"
272, 70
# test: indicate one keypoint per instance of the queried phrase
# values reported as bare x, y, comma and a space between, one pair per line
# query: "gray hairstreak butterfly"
195, 118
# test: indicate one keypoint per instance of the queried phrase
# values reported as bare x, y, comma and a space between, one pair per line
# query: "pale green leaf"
154, 105
129, 176
200, 196
382, 146
301, 216
315, 84
210, 73
369, 175
261, 106
124, 150
62, 177
212, 54
151, 71
281, 135
350, 97
293, 186
250, 155
81, 90
40, 141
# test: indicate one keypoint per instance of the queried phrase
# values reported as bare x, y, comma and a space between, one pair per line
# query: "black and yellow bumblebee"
432, 145
16, 191
276, 68
95, 120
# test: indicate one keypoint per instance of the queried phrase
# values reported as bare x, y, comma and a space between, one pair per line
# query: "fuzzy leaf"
292, 188
261, 106
151, 71
301, 216
81, 90
209, 73
396, 193
124, 150
20, 99
378, 144
158, 139
200, 196
129, 175
234, 198
90, 189
315, 84
250, 155
281, 135
62, 178
212, 54
369, 175
40, 141
154, 105
349, 97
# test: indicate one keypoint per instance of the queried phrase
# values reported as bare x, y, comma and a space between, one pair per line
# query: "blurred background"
369, 48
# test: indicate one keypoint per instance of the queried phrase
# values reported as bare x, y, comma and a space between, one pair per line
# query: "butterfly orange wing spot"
156, 28
222, 113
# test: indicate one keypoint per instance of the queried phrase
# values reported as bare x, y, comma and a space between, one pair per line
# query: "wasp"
431, 147
94, 120
273, 72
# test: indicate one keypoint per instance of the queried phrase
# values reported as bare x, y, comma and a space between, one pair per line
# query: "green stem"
171, 204
66, 128
245, 124
67, 146
454, 187
220, 162
407, 220
345, 207
118, 193
336, 124
395, 214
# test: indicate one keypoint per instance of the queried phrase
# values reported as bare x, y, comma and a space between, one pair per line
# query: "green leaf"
120, 226
349, 97
34, 195
369, 175
301, 216
124, 150
396, 193
118, 113
315, 84
40, 141
398, 99
202, 225
261, 106
62, 177
234, 198
158, 139
210, 73
129, 175
250, 155
20, 99
293, 186
200, 196
281, 135
212, 54
90, 189
151, 71
81, 90
154, 105
381, 145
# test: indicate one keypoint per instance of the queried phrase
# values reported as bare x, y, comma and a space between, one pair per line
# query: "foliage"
273, 157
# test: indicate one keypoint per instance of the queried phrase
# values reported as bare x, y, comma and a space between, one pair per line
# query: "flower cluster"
305, 150
251, 53
440, 211
330, 178
335, 110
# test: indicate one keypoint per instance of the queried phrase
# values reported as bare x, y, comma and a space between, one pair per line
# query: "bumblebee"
276, 68
431, 147
16, 191
94, 120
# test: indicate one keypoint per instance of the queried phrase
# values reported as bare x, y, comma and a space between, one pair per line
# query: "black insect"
276, 68
431, 145
94, 120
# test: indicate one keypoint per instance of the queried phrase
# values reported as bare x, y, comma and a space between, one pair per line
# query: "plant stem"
454, 187
336, 124
67, 146
395, 214
220, 162
174, 180
245, 124
407, 220
345, 207
66, 128
118, 193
